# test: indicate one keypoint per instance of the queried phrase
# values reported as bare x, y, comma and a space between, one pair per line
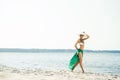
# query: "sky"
56, 24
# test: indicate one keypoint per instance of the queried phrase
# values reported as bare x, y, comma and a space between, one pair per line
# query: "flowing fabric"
75, 59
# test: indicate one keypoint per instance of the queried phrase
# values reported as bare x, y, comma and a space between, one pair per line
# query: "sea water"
93, 62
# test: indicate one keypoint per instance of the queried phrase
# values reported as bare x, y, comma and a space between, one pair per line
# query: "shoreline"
9, 73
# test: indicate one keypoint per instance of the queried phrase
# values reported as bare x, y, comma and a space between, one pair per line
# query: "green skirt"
75, 59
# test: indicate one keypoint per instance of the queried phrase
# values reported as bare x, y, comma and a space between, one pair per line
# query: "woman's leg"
80, 58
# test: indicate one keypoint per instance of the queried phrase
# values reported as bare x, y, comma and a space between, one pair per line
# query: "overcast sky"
57, 23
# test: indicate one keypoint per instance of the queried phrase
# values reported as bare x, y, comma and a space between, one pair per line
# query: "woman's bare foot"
83, 71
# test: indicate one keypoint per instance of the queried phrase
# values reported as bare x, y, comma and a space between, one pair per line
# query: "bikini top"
81, 43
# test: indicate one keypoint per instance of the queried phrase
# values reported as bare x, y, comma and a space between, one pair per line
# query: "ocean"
94, 62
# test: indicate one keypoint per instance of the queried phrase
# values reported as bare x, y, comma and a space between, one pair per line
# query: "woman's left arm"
87, 36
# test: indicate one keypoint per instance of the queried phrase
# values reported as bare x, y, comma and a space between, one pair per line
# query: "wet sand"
8, 73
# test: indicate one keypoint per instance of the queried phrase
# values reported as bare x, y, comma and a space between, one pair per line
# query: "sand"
9, 73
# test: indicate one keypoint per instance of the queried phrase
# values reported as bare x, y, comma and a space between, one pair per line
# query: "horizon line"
63, 49
36, 50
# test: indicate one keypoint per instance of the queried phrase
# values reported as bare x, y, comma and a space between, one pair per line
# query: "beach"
43, 66
9, 73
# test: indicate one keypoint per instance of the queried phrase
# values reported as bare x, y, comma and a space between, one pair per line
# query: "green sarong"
75, 59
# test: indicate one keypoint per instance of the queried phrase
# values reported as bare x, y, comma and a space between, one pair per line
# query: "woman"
79, 53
